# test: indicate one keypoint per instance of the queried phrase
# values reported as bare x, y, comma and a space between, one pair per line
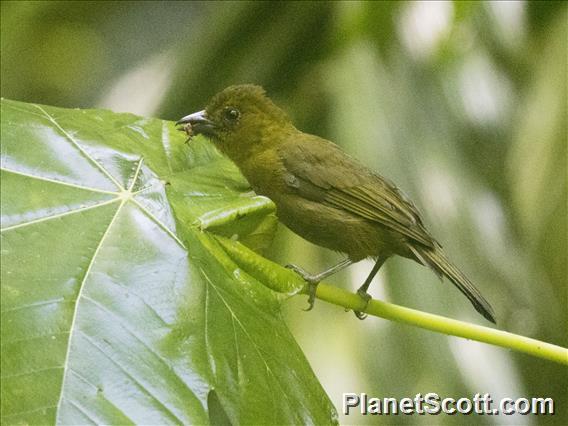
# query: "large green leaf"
121, 299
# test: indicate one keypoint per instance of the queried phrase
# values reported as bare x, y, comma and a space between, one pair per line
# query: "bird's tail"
437, 260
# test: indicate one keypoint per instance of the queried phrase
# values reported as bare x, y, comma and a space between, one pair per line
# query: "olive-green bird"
320, 192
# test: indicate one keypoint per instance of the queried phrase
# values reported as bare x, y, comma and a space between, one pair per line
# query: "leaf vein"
23, 339
78, 407
236, 349
135, 177
134, 379
207, 345
9, 105
59, 215
159, 222
79, 147
57, 181
33, 305
166, 145
79, 295
100, 393
169, 371
132, 333
19, 413
260, 354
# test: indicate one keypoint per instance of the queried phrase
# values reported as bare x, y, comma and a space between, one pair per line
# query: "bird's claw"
311, 281
366, 297
312, 287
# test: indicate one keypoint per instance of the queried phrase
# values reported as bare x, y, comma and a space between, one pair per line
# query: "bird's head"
238, 119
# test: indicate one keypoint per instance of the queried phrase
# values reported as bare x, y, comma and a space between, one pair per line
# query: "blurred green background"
462, 104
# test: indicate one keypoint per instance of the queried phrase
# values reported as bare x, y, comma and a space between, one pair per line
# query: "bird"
321, 193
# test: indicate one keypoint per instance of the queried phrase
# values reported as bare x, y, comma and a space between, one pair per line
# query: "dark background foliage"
463, 104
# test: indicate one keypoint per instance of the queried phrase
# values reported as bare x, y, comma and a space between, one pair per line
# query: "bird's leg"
362, 291
314, 280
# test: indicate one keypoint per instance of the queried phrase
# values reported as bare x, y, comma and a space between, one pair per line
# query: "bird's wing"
318, 170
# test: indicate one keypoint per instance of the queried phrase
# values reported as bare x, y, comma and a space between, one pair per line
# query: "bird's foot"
311, 280
366, 298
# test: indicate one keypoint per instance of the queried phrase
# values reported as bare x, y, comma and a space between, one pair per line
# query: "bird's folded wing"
320, 171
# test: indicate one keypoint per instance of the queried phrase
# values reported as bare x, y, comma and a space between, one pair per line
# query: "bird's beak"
199, 123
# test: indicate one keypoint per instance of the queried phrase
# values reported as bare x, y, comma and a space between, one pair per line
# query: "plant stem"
288, 282
444, 325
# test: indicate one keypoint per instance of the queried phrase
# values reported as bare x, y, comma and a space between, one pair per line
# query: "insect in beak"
187, 128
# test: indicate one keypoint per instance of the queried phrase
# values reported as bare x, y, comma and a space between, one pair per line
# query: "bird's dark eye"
231, 114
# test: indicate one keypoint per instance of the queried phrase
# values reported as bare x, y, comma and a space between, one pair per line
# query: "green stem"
444, 325
287, 282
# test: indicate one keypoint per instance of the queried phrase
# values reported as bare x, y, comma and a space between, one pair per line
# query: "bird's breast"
265, 173
334, 228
